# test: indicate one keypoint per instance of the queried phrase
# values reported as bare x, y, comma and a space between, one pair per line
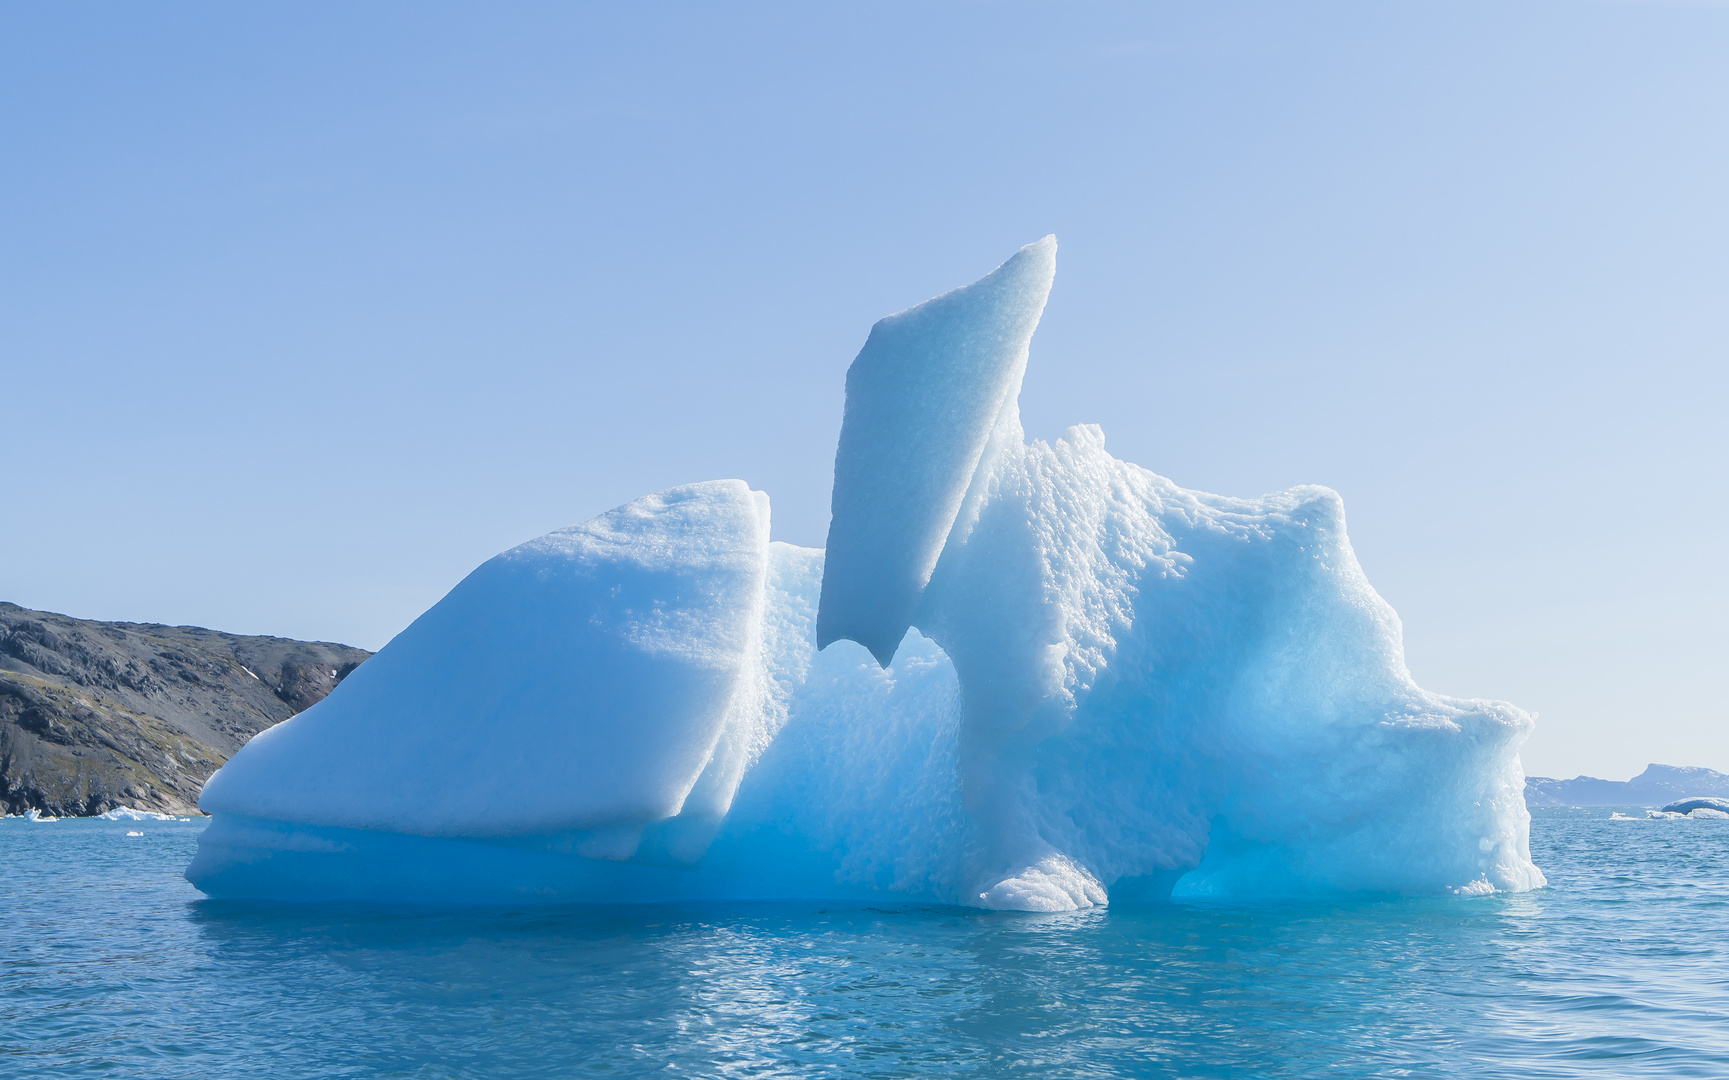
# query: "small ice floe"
34, 814
133, 832
126, 813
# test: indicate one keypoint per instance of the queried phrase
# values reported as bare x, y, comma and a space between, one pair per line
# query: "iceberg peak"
923, 399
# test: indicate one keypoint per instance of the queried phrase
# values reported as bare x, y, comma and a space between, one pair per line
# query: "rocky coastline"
97, 715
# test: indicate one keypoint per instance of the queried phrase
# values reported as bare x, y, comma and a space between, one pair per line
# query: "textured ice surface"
1114, 689
1155, 678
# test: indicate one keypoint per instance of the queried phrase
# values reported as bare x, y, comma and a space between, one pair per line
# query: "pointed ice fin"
921, 401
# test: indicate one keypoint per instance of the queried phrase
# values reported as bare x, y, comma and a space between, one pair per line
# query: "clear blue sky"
306, 310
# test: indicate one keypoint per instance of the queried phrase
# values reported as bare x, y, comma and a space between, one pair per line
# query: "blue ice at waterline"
1046, 678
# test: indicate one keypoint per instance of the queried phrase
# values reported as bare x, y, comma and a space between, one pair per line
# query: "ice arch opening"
1072, 680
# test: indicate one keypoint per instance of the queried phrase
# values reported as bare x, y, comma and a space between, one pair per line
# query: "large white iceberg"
1077, 682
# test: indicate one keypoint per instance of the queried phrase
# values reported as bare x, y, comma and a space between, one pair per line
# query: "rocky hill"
95, 715
1657, 785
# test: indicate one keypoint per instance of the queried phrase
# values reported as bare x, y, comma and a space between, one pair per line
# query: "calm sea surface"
111, 965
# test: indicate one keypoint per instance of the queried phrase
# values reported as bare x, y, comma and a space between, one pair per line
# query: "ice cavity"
1078, 682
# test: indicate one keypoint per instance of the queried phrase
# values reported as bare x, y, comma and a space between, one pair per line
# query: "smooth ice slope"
1114, 688
585, 680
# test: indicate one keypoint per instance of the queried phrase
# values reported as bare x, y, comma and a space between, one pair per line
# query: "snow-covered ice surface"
1109, 688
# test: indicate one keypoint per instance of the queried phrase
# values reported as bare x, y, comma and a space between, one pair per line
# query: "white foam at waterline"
1054, 883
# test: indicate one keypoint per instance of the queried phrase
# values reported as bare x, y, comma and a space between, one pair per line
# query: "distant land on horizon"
1656, 786
96, 715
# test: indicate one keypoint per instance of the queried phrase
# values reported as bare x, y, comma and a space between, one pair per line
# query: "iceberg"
127, 813
1022, 675
1698, 808
1704, 807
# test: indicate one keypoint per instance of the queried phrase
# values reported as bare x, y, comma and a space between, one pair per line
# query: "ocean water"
112, 966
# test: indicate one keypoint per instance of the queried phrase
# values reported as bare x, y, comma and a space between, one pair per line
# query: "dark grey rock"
95, 715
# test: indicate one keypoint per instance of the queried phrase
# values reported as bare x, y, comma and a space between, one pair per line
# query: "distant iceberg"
1700, 807
1025, 676
127, 813
1686, 806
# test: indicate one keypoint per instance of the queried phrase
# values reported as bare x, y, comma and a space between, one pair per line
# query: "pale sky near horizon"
307, 310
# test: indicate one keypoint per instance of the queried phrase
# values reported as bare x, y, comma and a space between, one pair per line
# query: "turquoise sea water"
111, 965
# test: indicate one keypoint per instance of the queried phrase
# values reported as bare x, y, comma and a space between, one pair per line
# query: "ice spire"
922, 399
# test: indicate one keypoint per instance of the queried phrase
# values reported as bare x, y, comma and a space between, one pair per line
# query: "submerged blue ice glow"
113, 966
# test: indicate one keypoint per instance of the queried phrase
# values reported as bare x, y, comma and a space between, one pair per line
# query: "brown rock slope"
95, 715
